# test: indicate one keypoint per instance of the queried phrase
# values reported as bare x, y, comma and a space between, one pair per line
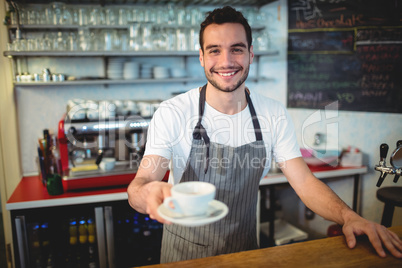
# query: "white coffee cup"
190, 198
107, 163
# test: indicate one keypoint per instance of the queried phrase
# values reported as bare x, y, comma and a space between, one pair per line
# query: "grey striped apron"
236, 173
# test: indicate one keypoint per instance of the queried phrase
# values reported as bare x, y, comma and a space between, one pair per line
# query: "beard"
230, 88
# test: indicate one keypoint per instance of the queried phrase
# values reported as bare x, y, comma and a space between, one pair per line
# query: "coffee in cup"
190, 198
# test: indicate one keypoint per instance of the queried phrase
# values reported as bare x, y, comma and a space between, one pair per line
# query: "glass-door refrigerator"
104, 235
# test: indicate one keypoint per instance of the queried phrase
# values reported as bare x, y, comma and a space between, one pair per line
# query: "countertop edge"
85, 199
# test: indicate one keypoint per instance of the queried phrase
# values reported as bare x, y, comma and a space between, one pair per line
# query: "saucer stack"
178, 72
161, 72
115, 68
146, 71
131, 70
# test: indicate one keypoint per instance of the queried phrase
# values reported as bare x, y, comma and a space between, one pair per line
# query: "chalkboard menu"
347, 52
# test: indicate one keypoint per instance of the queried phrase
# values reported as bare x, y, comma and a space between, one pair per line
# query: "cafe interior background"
26, 111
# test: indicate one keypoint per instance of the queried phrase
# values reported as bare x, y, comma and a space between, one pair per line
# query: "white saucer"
193, 221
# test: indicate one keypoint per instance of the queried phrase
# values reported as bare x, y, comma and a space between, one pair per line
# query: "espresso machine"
101, 143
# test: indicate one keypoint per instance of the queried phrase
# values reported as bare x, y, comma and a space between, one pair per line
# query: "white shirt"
171, 128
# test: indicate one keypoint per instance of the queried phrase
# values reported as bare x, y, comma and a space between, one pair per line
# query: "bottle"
50, 162
82, 231
92, 258
82, 253
71, 260
45, 244
36, 260
54, 184
147, 240
56, 160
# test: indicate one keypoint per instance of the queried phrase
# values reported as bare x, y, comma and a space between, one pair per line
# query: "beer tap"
382, 167
395, 158
396, 166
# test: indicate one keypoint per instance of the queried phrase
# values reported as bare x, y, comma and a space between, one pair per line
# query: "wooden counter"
327, 252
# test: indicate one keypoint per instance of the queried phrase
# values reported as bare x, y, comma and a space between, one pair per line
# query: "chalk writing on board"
316, 80
310, 14
336, 41
391, 35
380, 70
347, 51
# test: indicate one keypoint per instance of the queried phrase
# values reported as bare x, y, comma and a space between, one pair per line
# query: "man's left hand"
378, 235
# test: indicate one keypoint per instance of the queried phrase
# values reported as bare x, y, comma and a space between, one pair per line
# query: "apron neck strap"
256, 124
200, 131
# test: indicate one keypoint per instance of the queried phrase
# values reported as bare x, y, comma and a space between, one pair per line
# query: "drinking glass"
72, 42
116, 42
20, 45
123, 40
146, 36
159, 39
32, 16
59, 42
10, 47
129, 15
122, 18
182, 16
95, 16
181, 37
193, 36
97, 40
57, 12
84, 39
67, 18
138, 14
134, 29
46, 43
108, 44
13, 18
110, 16
48, 15
83, 16
171, 40
75, 15
195, 16
171, 14
31, 45
23, 16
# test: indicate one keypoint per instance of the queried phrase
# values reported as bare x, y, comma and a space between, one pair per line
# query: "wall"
40, 108
10, 172
363, 130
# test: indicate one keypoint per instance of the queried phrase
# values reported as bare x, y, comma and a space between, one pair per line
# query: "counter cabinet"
105, 234
124, 237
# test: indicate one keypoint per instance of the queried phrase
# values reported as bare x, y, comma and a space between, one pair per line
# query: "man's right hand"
147, 191
157, 192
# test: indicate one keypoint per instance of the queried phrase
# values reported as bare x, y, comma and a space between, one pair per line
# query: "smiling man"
226, 57
225, 134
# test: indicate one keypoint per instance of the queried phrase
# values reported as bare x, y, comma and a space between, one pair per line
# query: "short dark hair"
226, 14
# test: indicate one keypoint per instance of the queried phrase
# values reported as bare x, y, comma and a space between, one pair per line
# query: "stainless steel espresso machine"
101, 143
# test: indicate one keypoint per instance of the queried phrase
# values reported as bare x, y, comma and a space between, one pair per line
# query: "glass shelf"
52, 27
124, 81
114, 53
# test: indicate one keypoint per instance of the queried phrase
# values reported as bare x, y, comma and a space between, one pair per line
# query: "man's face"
226, 58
